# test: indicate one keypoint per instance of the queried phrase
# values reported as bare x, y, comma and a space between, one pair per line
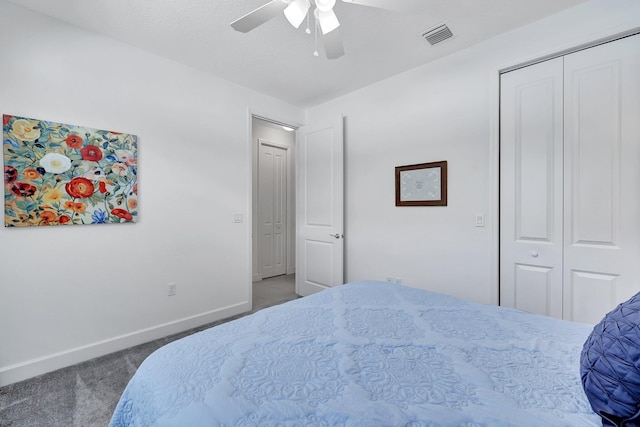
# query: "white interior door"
602, 178
272, 209
531, 164
319, 199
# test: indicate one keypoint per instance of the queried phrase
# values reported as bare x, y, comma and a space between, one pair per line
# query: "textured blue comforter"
367, 354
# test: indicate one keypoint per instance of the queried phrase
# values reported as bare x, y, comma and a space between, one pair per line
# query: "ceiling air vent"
437, 34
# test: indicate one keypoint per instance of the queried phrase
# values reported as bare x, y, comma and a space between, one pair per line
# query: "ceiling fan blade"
259, 16
333, 44
328, 20
297, 11
397, 5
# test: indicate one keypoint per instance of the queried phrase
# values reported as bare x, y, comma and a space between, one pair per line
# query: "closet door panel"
593, 145
601, 178
589, 293
533, 288
531, 188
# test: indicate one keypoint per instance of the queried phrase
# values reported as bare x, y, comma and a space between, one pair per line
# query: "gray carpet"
86, 394
82, 395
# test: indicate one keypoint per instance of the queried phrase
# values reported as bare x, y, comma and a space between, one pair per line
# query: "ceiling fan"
325, 18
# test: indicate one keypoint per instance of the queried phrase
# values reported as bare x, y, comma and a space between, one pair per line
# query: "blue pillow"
610, 366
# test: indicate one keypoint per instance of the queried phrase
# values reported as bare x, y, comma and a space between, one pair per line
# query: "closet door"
531, 159
602, 178
272, 209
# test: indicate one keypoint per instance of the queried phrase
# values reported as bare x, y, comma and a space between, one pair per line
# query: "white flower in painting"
124, 155
95, 174
120, 169
55, 163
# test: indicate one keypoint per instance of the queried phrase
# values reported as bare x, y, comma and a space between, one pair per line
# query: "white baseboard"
31, 368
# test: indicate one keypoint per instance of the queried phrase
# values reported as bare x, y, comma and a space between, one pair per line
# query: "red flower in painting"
5, 119
79, 187
75, 141
48, 216
64, 219
22, 189
10, 174
91, 153
102, 187
121, 213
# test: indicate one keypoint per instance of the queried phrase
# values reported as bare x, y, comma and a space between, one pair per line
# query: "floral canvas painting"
59, 174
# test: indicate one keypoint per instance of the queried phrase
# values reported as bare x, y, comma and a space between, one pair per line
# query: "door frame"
252, 156
494, 137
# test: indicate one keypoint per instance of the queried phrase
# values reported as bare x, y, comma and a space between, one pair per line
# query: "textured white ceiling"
275, 58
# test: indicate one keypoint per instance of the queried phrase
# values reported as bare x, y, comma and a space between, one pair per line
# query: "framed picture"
424, 184
62, 174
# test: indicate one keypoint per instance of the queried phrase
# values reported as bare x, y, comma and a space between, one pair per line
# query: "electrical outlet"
397, 281
238, 218
390, 279
171, 291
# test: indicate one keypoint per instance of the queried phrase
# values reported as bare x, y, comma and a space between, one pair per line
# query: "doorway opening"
273, 206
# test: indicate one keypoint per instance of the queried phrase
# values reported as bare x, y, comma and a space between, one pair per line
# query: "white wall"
262, 130
71, 293
446, 110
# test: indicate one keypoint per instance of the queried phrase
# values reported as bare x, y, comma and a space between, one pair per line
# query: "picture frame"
423, 184
58, 174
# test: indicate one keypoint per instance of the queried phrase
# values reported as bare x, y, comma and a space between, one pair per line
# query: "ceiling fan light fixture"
325, 5
325, 19
328, 20
297, 11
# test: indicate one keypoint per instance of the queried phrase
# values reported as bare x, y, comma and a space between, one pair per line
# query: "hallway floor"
274, 290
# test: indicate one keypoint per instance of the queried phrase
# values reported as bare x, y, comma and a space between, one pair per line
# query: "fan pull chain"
315, 52
308, 31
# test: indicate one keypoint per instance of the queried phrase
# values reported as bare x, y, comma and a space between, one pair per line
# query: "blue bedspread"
367, 354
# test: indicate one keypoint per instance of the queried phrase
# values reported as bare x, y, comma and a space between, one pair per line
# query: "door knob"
337, 236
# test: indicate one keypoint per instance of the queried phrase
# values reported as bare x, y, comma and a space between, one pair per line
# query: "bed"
367, 354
